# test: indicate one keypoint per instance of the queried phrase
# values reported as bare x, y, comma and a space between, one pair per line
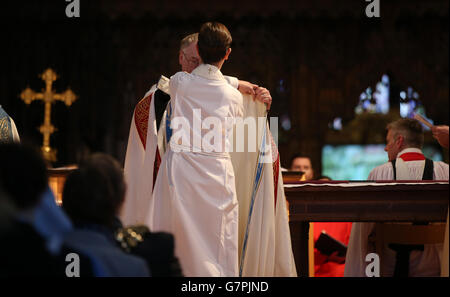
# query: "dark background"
315, 57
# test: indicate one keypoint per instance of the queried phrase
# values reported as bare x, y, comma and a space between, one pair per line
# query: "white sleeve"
440, 171
357, 250
15, 134
372, 175
382, 172
233, 81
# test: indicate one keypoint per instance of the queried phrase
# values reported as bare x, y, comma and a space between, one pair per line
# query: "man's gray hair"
188, 40
410, 129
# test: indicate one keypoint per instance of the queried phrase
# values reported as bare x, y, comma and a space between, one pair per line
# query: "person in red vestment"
324, 265
333, 265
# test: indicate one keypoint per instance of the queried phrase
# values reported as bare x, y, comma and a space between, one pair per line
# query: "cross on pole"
48, 97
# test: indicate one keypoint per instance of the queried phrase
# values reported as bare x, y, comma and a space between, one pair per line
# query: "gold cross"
209, 70
48, 97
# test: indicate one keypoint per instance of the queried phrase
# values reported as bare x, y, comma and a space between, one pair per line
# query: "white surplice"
426, 263
139, 163
194, 195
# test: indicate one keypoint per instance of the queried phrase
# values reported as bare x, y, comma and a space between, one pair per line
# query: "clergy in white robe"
143, 156
268, 251
147, 139
410, 163
195, 195
147, 142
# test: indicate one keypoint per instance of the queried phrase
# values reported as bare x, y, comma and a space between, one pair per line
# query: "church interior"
338, 73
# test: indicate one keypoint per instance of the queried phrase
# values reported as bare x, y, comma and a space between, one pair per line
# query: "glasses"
192, 60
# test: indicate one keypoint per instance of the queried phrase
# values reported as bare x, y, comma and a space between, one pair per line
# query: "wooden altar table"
343, 201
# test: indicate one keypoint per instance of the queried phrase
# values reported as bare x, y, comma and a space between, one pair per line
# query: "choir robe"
426, 263
195, 196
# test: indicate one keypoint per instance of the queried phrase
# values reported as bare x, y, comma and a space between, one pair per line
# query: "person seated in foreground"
92, 197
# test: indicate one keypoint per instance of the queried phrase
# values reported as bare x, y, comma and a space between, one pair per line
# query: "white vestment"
268, 249
195, 196
140, 162
426, 263
145, 149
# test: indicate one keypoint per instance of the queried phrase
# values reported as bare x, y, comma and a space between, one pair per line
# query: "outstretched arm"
246, 87
258, 93
441, 134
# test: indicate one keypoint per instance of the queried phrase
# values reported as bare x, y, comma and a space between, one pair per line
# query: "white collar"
403, 172
208, 71
409, 150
